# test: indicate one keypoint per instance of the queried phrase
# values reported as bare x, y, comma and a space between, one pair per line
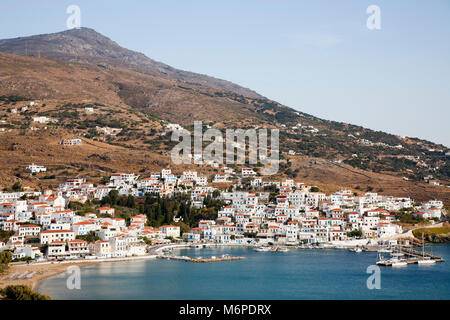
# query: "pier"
200, 260
413, 257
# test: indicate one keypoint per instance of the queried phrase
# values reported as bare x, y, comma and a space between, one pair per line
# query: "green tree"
354, 233
5, 257
21, 292
17, 187
216, 193
130, 202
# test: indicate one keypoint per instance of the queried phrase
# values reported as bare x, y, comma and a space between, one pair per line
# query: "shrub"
21, 292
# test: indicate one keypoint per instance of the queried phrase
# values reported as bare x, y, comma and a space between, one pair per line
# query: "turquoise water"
297, 274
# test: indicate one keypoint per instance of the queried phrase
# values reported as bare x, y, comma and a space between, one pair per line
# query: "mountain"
68, 71
86, 44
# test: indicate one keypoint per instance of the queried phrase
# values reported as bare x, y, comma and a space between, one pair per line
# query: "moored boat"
399, 263
385, 250
425, 260
262, 249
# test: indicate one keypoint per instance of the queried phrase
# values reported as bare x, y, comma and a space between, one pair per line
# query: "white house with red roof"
78, 248
312, 214
226, 211
186, 183
376, 212
7, 207
48, 236
26, 251
170, 231
102, 249
10, 225
107, 231
101, 192
434, 212
84, 227
221, 177
121, 178
248, 172
57, 249
44, 219
29, 230
62, 216
106, 210
16, 239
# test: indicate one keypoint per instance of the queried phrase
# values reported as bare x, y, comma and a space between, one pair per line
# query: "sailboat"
381, 260
385, 249
396, 261
262, 249
425, 260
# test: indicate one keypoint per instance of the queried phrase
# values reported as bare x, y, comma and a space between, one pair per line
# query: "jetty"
412, 257
200, 259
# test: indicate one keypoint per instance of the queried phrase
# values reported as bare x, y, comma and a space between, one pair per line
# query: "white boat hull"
399, 264
426, 262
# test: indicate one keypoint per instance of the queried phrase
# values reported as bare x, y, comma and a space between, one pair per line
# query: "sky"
317, 57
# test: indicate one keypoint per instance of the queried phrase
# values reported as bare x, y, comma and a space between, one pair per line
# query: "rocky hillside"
88, 45
66, 72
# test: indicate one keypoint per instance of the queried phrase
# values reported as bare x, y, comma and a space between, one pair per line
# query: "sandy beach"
42, 271
49, 269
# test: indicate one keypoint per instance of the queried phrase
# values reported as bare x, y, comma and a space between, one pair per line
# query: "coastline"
44, 270
47, 270
305, 259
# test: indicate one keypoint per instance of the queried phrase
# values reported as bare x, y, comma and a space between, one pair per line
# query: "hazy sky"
315, 56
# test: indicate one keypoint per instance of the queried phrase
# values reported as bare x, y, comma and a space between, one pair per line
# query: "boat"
381, 260
425, 260
398, 262
385, 250
282, 249
356, 249
262, 249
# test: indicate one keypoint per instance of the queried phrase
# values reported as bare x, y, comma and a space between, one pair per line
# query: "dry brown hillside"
137, 97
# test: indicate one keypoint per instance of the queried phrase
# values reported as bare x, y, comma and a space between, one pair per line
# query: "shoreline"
55, 268
61, 267
45, 270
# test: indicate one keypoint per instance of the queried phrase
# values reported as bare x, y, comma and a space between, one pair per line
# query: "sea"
299, 274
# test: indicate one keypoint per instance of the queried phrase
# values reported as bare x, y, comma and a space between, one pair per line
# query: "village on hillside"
40, 225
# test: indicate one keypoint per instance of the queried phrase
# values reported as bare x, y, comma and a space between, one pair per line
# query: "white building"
248, 172
71, 142
35, 168
49, 236
171, 231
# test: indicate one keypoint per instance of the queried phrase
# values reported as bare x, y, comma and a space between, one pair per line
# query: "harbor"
412, 256
223, 257
290, 275
402, 256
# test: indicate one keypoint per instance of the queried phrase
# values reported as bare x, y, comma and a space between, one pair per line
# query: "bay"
293, 275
